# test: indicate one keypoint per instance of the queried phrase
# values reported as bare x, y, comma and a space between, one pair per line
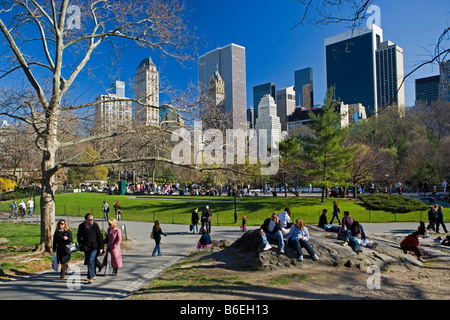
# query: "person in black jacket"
194, 220
61, 238
90, 241
271, 230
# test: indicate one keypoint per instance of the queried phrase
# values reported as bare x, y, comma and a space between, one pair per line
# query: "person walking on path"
156, 235
440, 219
114, 236
105, 209
431, 219
61, 238
90, 240
336, 212
13, 207
118, 210
194, 220
30, 205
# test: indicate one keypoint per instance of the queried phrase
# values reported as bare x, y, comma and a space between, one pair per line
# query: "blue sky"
273, 50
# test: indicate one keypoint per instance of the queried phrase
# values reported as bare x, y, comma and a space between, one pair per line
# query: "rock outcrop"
247, 253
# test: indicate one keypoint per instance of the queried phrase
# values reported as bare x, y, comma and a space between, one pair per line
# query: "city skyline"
274, 49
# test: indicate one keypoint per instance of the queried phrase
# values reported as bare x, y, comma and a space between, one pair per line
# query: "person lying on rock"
271, 230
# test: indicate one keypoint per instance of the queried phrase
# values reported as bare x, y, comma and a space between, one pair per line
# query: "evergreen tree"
326, 149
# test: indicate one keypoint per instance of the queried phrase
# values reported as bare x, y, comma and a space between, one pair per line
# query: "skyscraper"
351, 66
231, 66
304, 92
390, 89
285, 105
259, 92
268, 119
146, 91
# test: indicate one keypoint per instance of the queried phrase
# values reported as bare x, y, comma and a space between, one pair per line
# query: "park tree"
326, 150
49, 45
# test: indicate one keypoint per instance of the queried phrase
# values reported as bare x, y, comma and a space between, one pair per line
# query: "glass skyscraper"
259, 92
351, 66
304, 92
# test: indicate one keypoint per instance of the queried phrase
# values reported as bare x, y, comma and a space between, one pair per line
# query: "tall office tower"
351, 66
444, 81
111, 115
146, 91
304, 91
231, 65
427, 90
390, 74
268, 119
259, 92
285, 104
118, 88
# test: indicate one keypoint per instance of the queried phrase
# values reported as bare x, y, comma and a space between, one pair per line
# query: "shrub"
393, 203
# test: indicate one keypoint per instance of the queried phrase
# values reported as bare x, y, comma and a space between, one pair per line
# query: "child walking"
156, 235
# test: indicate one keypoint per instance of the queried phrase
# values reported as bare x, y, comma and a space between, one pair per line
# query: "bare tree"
51, 44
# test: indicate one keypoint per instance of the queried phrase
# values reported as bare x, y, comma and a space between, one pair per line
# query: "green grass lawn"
178, 210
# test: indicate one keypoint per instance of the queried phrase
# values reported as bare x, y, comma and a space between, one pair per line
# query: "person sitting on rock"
353, 235
205, 240
298, 237
347, 221
271, 230
323, 219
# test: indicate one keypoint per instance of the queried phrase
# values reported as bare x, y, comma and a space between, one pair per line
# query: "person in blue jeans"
355, 231
90, 240
271, 230
298, 237
157, 232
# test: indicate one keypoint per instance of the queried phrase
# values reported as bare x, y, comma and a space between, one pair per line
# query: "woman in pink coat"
114, 239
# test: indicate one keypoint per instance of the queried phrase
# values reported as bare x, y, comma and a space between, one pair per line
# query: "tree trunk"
48, 182
47, 204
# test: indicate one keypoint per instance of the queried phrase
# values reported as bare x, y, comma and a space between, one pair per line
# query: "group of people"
279, 226
91, 242
21, 209
117, 210
436, 219
205, 218
349, 230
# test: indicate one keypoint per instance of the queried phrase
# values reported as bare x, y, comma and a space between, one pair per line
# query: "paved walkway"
139, 266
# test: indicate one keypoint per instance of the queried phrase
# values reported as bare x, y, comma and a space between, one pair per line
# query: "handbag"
55, 263
71, 247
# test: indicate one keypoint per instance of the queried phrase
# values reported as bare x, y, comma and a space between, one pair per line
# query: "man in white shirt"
30, 205
285, 220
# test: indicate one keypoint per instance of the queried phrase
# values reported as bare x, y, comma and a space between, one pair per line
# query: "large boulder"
247, 253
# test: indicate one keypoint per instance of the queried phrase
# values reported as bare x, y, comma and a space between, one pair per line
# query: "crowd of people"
20, 210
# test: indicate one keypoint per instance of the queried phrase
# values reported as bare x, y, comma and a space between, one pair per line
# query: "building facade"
230, 61
390, 75
444, 81
427, 90
304, 90
112, 113
285, 104
259, 92
146, 91
268, 119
